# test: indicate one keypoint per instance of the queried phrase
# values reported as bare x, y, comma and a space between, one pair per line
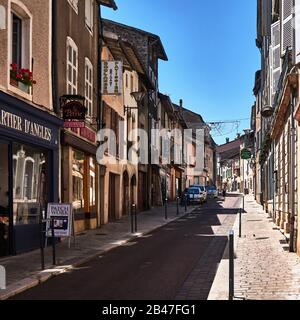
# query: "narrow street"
178, 261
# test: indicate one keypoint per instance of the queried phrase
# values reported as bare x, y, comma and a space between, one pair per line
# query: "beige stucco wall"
117, 103
40, 48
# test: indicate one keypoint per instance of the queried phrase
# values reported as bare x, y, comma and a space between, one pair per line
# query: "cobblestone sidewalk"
264, 268
24, 271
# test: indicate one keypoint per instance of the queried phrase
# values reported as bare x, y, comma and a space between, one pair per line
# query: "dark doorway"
142, 191
112, 198
4, 200
132, 191
125, 204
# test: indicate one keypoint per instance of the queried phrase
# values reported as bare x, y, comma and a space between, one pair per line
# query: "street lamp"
138, 96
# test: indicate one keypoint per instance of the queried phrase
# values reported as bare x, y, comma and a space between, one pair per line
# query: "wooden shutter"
275, 58
287, 29
88, 9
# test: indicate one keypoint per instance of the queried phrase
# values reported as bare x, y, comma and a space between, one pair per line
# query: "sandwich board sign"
63, 220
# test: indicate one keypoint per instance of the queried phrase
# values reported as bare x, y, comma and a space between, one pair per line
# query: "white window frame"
89, 15
70, 64
2, 17
89, 86
18, 8
74, 5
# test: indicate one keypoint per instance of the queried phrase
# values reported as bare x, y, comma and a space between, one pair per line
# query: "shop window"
30, 183
4, 200
89, 87
28, 179
84, 182
78, 180
92, 185
72, 66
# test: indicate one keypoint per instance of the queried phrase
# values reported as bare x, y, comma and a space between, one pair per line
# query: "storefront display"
29, 162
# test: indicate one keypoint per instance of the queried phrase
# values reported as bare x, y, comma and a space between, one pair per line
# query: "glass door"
4, 200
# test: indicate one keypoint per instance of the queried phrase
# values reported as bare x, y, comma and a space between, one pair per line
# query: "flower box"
14, 82
21, 78
23, 87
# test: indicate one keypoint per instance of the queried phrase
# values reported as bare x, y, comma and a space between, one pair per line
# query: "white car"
202, 191
195, 195
212, 192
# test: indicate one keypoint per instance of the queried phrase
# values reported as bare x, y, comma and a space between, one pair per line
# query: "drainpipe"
54, 80
273, 180
100, 220
56, 106
292, 177
99, 82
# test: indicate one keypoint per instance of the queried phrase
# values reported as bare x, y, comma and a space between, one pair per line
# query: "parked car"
195, 195
212, 192
202, 191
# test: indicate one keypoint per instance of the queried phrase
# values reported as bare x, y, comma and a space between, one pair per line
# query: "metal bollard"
135, 218
53, 243
42, 243
231, 265
177, 212
131, 216
185, 203
166, 209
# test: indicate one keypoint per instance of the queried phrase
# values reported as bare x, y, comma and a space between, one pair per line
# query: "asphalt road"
153, 267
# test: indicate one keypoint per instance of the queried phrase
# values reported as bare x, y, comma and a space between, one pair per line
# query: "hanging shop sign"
246, 154
74, 124
74, 110
112, 78
62, 215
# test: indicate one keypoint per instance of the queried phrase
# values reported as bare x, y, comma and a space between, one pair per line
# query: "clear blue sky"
211, 50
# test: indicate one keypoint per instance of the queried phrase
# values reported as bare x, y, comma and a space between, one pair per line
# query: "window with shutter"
89, 12
287, 30
275, 58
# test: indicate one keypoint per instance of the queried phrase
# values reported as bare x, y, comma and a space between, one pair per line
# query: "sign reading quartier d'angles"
112, 78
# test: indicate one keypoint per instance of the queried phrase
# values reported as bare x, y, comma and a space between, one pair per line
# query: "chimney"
180, 105
238, 136
227, 140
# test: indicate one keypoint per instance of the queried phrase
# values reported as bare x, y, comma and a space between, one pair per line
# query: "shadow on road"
177, 261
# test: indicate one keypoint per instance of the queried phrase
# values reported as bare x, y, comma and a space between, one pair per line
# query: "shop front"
29, 172
80, 177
